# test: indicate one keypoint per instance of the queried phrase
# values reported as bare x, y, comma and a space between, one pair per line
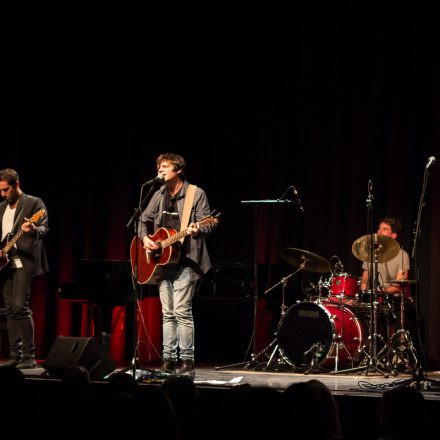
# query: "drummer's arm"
364, 280
395, 289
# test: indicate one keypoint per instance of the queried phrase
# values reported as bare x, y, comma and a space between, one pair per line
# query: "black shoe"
168, 366
187, 368
26, 363
12, 362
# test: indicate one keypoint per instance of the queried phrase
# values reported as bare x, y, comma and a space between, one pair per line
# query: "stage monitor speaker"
69, 351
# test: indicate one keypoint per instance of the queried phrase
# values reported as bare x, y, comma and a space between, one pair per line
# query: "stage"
357, 395
371, 384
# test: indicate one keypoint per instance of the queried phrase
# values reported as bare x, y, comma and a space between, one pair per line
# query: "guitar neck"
11, 242
171, 240
202, 223
14, 239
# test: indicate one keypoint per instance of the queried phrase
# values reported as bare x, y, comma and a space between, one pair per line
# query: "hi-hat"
312, 262
385, 247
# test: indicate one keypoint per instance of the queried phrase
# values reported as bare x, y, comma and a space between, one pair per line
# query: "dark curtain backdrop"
256, 101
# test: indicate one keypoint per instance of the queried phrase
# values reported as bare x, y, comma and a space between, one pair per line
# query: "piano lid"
99, 280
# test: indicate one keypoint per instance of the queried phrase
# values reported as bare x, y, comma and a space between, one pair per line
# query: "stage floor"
349, 384
339, 384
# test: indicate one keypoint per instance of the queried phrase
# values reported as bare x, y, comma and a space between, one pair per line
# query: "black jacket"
30, 248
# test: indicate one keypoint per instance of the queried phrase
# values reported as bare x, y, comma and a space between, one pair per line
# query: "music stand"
256, 204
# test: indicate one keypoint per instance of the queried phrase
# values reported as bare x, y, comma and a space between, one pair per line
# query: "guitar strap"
187, 204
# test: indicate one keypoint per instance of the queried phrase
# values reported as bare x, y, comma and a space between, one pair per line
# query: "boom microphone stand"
419, 375
143, 201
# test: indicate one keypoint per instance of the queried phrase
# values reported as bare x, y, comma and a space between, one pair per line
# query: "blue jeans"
176, 292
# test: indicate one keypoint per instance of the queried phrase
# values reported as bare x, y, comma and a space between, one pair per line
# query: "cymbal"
403, 281
313, 262
385, 247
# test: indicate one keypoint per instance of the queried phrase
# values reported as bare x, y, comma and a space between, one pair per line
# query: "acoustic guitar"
150, 263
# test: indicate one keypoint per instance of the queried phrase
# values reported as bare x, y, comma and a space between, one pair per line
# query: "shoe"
26, 363
168, 366
12, 362
187, 368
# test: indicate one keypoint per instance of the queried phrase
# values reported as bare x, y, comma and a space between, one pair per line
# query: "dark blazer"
30, 248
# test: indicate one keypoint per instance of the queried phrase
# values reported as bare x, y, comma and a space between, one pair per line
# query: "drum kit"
335, 329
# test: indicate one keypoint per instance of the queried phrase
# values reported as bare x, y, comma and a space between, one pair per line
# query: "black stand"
370, 349
247, 365
143, 201
419, 375
401, 342
283, 307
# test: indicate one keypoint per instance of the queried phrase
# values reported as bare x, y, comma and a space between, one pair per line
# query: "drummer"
395, 269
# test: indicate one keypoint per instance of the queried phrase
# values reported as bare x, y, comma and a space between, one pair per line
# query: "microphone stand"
247, 365
143, 201
418, 375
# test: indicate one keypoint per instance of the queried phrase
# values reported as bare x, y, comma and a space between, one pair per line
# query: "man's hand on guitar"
149, 244
28, 226
193, 229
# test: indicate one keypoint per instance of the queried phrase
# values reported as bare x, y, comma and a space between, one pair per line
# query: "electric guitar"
150, 263
8, 243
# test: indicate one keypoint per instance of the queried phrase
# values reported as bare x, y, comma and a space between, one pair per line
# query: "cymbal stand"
369, 349
283, 308
401, 342
254, 362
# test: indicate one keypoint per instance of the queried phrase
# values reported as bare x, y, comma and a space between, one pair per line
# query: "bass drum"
310, 329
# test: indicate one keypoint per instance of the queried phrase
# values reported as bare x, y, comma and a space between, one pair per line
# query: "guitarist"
177, 282
26, 259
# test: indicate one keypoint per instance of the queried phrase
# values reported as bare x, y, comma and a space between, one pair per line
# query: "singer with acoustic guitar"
172, 252
23, 224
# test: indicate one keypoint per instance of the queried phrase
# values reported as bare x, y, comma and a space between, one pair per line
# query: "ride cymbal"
313, 262
384, 246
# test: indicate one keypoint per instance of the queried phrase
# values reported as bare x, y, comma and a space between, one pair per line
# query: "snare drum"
365, 296
343, 289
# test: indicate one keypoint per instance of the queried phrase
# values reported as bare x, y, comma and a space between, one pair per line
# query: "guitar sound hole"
157, 253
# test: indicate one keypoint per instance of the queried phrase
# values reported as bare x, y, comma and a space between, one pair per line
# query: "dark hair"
10, 175
177, 160
394, 223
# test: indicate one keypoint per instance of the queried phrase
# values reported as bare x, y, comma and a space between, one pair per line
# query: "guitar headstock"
211, 221
37, 216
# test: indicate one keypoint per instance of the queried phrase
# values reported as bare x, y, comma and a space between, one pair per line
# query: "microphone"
431, 161
157, 179
297, 199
